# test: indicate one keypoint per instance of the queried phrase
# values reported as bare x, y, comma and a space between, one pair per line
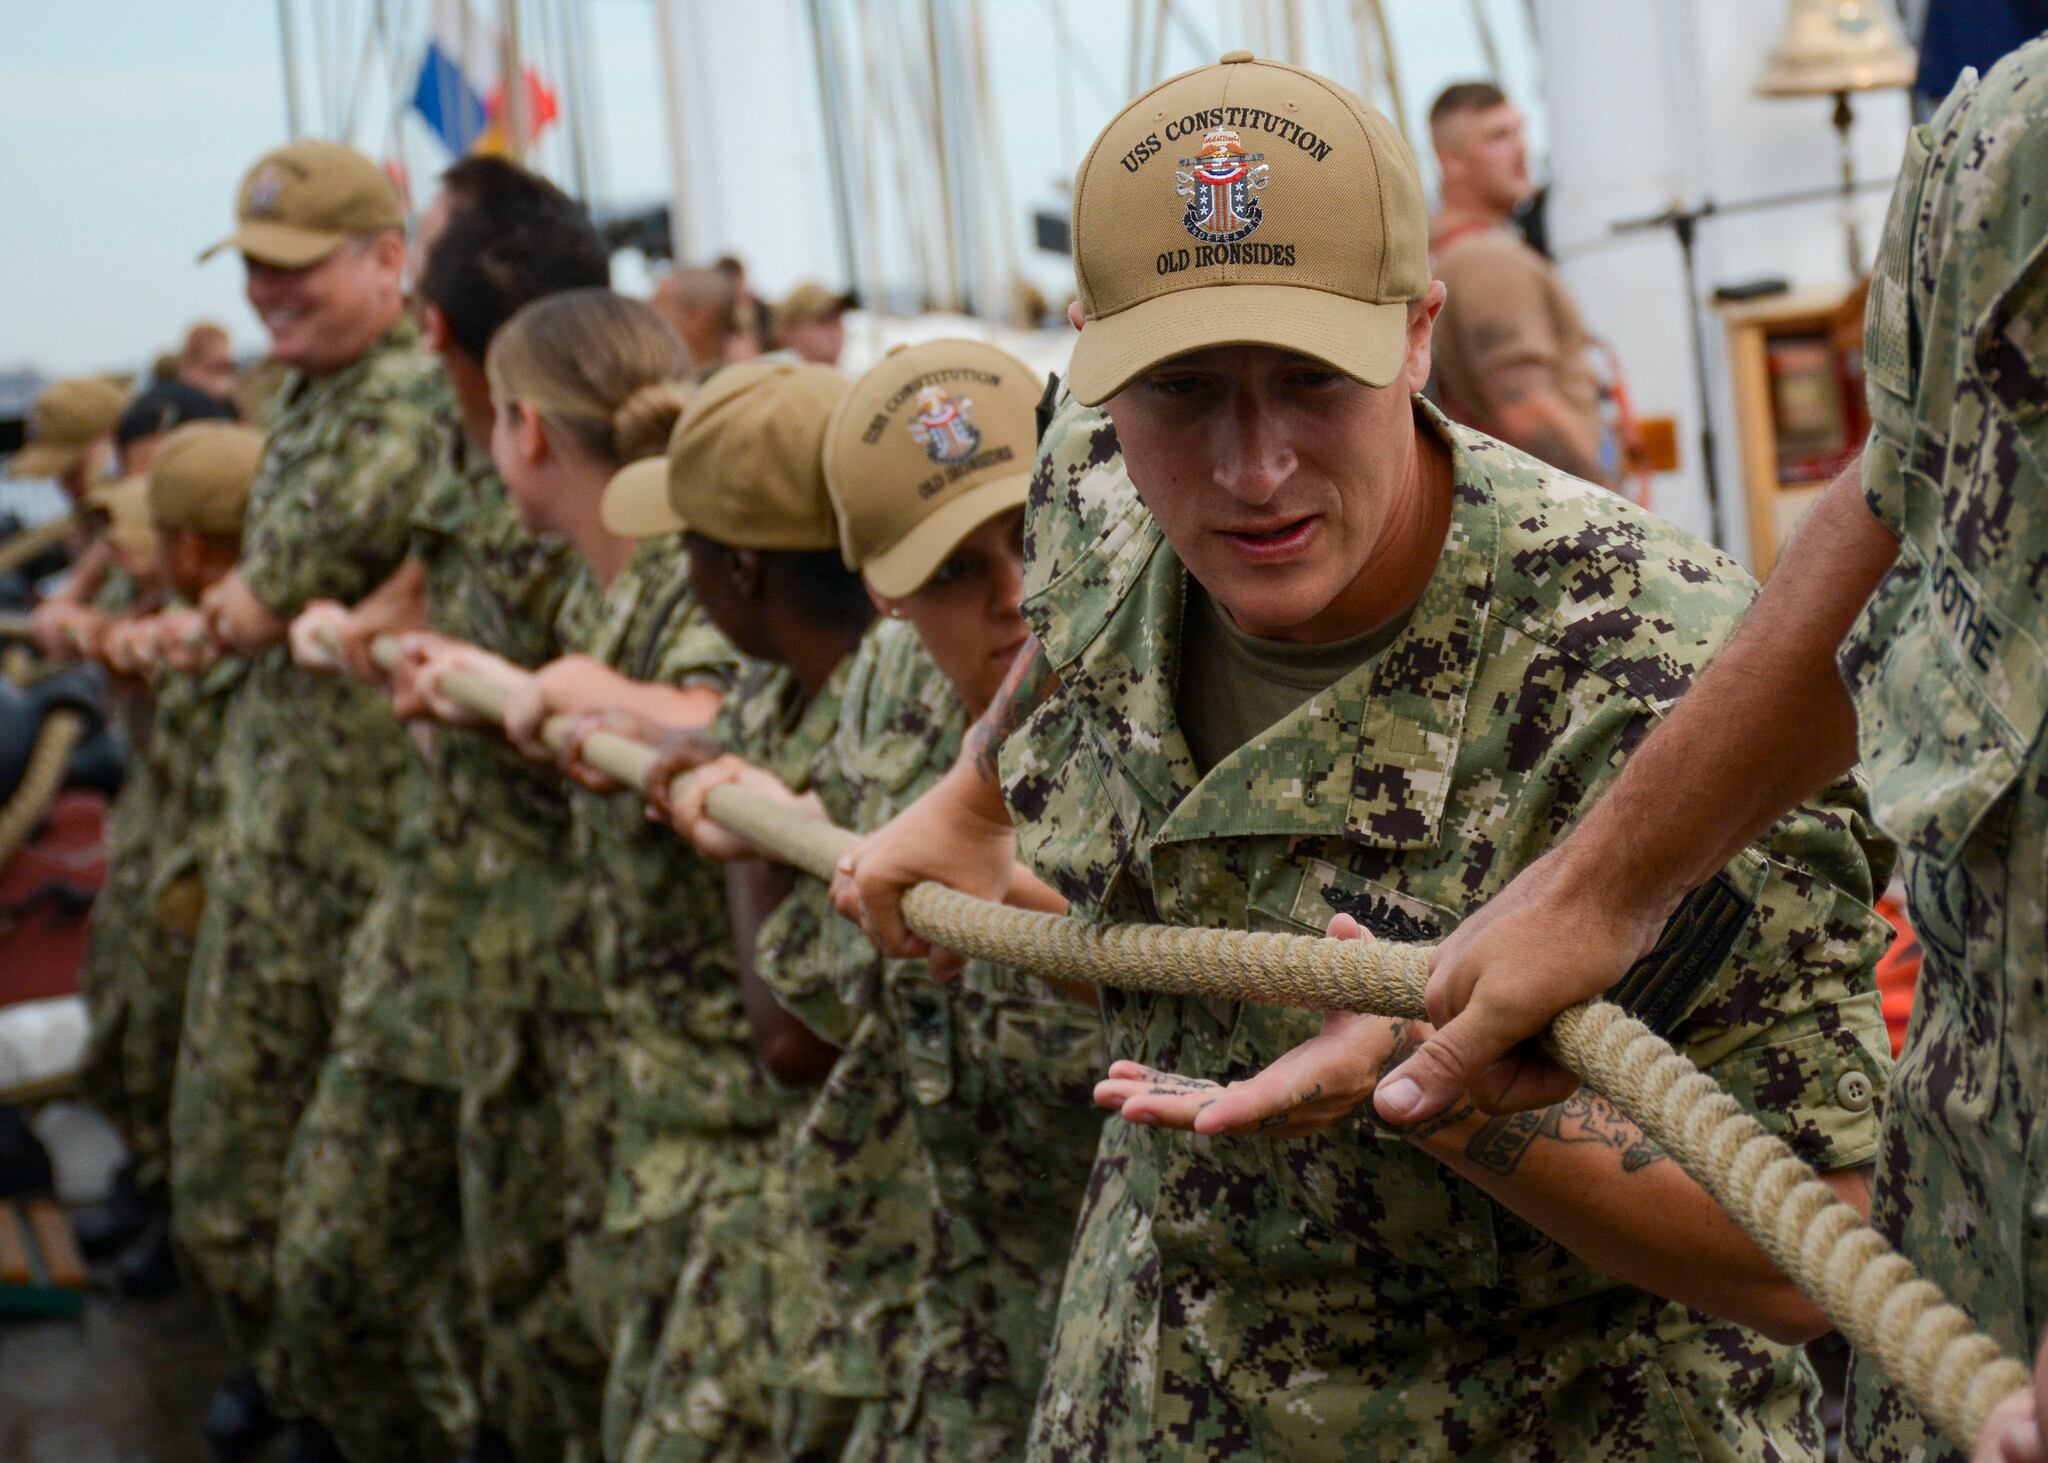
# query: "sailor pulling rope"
1930, 1348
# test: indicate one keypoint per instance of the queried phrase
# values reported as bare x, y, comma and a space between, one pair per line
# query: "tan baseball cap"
931, 443
201, 478
810, 301
745, 464
635, 502
299, 203
126, 505
1247, 203
65, 421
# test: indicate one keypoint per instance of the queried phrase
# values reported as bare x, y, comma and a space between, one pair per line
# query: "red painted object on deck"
46, 893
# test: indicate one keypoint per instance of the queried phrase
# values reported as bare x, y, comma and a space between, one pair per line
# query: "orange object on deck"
1898, 972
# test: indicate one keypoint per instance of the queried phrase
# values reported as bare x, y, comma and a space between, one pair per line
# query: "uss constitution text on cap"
1246, 203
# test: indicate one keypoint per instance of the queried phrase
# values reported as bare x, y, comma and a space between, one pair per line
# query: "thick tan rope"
31, 543
1946, 1367
41, 780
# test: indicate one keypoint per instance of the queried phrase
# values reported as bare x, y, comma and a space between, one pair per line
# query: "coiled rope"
41, 780
1948, 1369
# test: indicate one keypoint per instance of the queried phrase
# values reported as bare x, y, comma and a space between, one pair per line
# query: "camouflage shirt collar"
301, 392
1369, 760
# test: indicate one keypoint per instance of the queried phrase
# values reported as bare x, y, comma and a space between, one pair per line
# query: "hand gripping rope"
1949, 1370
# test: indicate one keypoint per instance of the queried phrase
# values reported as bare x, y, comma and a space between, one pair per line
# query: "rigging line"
1002, 305
569, 87
1063, 86
1368, 79
963, 135
831, 108
360, 88
1205, 49
587, 82
1489, 45
338, 48
321, 68
667, 36
569, 102
1331, 37
1397, 105
512, 80
290, 59
869, 104
1134, 51
912, 103
397, 27
1081, 59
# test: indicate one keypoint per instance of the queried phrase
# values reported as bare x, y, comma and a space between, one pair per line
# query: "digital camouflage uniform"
722, 1352
674, 1086
373, 1296
995, 1074
1950, 679
309, 764
1345, 1295
116, 939
119, 934
856, 1204
177, 772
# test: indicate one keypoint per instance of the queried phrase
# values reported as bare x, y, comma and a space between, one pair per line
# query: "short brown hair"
1463, 96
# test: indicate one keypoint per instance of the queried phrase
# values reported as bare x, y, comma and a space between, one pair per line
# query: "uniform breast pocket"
1363, 1197
1417, 1224
1032, 1048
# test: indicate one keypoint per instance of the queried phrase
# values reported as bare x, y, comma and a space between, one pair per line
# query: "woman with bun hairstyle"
928, 462
670, 1120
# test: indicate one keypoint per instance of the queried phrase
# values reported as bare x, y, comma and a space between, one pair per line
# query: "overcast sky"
126, 124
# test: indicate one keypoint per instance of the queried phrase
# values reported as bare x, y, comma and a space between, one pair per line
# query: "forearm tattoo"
1500, 1146
1030, 681
1406, 1043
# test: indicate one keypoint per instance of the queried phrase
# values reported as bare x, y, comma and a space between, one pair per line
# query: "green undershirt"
1234, 686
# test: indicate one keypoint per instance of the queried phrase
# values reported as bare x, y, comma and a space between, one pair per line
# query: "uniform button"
1231, 58
1853, 1091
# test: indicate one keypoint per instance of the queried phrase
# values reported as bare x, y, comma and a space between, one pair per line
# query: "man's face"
138, 455
1490, 153
817, 341
321, 317
1273, 476
88, 468
211, 368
